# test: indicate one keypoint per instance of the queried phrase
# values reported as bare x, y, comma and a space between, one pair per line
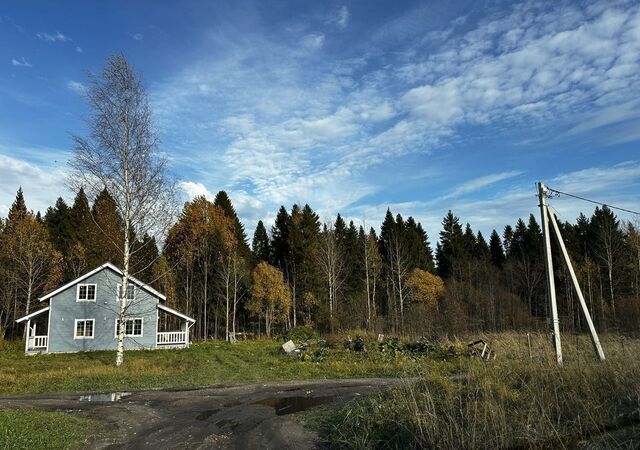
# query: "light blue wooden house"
83, 316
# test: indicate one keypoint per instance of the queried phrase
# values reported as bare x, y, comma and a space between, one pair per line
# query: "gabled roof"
176, 313
98, 269
33, 314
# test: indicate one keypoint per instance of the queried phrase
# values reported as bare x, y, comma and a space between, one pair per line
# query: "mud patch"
290, 405
226, 423
204, 415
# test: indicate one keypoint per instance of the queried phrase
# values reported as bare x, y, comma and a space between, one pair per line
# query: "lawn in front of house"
203, 364
28, 429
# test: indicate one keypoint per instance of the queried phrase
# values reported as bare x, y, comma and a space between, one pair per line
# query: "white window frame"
133, 286
95, 292
141, 319
75, 328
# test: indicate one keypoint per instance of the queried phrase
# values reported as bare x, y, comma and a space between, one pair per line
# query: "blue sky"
351, 107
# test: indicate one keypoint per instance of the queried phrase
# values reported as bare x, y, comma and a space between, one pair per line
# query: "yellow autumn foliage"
424, 287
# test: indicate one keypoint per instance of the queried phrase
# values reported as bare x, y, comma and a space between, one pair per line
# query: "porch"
168, 320
37, 324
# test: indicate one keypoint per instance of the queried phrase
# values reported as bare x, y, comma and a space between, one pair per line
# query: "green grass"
512, 402
27, 429
202, 364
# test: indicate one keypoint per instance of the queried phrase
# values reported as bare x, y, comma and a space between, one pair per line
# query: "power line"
592, 201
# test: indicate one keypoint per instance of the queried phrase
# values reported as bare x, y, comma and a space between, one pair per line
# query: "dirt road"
241, 416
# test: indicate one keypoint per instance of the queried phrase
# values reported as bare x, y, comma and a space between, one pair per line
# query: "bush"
390, 346
300, 334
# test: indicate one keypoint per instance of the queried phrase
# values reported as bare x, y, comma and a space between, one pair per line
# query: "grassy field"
201, 365
512, 402
448, 401
28, 430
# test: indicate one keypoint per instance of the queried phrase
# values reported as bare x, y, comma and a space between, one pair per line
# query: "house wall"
104, 311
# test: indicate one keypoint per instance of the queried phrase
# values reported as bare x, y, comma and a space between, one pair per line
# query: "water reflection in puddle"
290, 405
204, 415
108, 397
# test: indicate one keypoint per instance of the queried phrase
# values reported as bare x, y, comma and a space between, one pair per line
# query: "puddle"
204, 415
226, 423
290, 405
109, 397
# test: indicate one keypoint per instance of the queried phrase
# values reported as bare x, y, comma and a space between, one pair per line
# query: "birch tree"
332, 265
120, 154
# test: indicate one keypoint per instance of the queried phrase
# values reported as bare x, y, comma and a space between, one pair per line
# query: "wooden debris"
481, 349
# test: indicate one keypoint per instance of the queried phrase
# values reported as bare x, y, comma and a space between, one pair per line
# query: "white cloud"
479, 183
615, 185
22, 62
313, 41
137, 36
76, 87
78, 49
342, 17
193, 189
41, 187
284, 125
55, 37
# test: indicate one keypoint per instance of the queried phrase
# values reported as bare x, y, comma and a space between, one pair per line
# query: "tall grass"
512, 402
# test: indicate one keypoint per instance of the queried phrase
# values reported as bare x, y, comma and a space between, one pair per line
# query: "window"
83, 329
132, 327
86, 293
131, 292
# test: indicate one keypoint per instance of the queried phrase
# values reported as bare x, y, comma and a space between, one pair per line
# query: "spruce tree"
60, 226
223, 201
481, 252
280, 239
81, 218
106, 233
451, 248
495, 250
260, 245
18, 209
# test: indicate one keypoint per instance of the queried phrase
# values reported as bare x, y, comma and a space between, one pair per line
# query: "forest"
332, 276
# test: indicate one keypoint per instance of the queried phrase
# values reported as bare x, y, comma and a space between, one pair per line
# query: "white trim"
141, 319
49, 327
176, 313
119, 285
95, 292
75, 328
96, 270
33, 314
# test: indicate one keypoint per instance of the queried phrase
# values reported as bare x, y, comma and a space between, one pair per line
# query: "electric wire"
592, 201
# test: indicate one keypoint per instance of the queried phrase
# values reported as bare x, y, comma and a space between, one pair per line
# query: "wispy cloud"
136, 36
285, 124
53, 37
76, 87
342, 17
21, 62
479, 183
313, 41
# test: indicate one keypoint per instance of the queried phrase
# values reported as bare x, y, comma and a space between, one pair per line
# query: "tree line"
330, 276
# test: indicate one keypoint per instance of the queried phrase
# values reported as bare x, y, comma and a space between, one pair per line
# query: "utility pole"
592, 329
551, 286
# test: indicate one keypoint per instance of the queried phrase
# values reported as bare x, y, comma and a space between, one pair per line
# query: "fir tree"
451, 247
223, 201
60, 226
495, 250
260, 245
280, 239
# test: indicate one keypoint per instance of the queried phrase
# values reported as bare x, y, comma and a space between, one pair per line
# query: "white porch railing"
171, 337
38, 342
